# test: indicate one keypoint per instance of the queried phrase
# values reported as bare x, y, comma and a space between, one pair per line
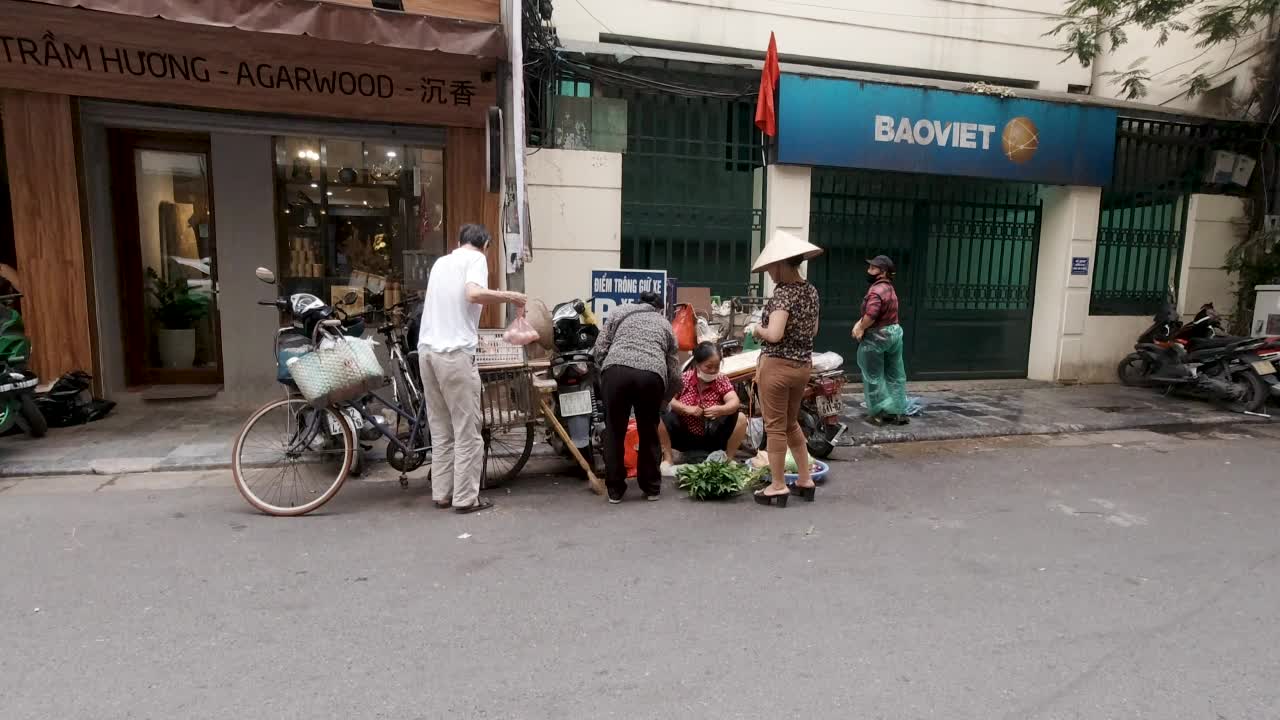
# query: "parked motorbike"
17, 382
820, 411
578, 403
1190, 358
306, 313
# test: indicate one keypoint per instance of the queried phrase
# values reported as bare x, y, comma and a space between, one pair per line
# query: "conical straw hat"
783, 246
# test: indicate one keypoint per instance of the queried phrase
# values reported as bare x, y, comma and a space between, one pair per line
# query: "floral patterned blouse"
800, 300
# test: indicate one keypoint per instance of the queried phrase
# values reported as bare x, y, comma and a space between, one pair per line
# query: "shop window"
360, 216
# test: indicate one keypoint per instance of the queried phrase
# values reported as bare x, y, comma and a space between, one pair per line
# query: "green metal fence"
965, 251
1139, 252
1143, 219
687, 188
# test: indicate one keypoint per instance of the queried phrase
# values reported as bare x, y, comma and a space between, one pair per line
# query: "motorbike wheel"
1255, 392
357, 461
36, 425
1135, 370
815, 437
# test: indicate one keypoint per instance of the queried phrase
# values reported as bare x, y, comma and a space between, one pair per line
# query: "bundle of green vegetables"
715, 480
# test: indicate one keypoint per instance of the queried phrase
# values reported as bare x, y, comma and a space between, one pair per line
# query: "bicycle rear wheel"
287, 461
505, 454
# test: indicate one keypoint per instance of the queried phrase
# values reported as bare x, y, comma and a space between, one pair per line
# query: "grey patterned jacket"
640, 337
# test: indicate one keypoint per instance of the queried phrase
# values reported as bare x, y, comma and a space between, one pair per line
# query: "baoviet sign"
105, 55
835, 122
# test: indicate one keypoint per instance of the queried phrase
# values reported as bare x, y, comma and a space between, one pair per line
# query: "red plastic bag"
631, 449
520, 332
685, 326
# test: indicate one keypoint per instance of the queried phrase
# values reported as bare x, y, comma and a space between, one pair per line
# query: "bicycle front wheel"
288, 460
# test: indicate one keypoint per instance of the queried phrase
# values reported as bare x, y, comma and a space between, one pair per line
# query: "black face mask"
872, 277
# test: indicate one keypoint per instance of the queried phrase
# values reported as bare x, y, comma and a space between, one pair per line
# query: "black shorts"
715, 438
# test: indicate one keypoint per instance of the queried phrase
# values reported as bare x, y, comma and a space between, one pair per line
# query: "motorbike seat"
1213, 342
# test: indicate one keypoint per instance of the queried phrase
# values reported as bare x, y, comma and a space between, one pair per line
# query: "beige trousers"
451, 387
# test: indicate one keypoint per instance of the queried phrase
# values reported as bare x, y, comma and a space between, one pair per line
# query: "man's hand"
517, 299
858, 332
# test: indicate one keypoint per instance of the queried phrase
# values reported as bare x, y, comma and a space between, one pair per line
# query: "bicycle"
290, 470
303, 442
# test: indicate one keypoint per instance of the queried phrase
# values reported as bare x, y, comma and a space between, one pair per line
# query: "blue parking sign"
611, 288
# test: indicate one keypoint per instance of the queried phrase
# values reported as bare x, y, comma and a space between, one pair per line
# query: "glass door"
168, 258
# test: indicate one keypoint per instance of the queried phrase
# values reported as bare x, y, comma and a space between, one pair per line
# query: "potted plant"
176, 310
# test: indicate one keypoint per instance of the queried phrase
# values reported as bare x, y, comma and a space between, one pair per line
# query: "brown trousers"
781, 384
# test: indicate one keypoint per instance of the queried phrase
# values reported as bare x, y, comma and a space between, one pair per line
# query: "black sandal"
480, 505
808, 494
779, 500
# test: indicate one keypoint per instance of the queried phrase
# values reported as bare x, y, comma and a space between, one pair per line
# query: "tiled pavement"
195, 435
1035, 410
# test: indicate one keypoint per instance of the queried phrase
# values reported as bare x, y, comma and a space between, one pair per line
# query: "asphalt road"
1125, 575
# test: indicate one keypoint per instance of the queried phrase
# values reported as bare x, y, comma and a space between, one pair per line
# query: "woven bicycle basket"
345, 371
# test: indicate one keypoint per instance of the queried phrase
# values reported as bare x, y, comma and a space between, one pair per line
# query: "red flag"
766, 106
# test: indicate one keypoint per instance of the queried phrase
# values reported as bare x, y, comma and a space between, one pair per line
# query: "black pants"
624, 389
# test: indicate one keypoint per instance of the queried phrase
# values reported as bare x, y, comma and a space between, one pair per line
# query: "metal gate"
688, 188
966, 256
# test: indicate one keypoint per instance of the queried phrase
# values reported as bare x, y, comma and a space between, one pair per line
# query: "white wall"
1176, 58
787, 210
1211, 232
1106, 340
245, 224
946, 35
575, 208
1068, 229
1213, 228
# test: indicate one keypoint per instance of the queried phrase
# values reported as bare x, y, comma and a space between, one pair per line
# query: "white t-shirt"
449, 322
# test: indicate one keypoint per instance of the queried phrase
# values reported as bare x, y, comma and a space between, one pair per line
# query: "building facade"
157, 153
1011, 267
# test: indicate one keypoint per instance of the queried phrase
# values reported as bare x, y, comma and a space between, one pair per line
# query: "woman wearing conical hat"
786, 331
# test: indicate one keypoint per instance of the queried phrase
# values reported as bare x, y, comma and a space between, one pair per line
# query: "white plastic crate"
493, 350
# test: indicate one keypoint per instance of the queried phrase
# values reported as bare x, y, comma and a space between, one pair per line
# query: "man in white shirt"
457, 287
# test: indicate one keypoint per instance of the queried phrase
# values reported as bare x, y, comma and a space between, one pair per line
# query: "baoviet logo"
1018, 141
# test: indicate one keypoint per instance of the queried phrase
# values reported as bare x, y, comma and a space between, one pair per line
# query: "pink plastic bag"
520, 332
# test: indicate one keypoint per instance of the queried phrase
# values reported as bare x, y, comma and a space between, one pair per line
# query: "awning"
316, 18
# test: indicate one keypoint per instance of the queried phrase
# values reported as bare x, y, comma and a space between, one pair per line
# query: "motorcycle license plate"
1264, 367
575, 403
830, 406
357, 421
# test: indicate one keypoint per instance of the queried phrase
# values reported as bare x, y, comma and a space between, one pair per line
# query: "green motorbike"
17, 382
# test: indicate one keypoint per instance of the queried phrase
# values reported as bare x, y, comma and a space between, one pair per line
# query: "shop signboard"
81, 52
835, 122
611, 288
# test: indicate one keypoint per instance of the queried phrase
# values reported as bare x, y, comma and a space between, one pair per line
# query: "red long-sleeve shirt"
881, 304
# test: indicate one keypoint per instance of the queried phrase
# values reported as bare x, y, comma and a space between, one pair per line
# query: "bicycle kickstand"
404, 481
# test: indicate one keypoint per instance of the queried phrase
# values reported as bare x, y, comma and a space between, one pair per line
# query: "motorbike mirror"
350, 298
265, 275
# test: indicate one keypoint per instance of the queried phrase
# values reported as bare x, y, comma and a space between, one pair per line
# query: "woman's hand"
718, 411
682, 409
858, 332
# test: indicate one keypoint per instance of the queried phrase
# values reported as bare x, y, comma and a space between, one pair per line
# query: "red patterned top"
710, 395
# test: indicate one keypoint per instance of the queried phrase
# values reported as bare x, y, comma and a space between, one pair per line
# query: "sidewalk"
955, 411
186, 436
